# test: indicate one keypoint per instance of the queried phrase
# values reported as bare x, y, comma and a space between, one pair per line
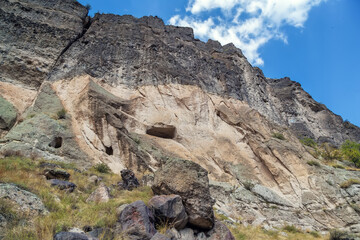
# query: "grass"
278, 136
67, 210
349, 182
313, 163
308, 142
253, 233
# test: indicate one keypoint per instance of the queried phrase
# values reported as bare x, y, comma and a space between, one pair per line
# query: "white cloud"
249, 24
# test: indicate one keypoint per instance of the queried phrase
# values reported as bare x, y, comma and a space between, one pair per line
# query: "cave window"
56, 142
109, 150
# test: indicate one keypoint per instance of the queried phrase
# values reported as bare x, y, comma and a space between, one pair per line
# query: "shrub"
313, 163
349, 182
291, 229
88, 7
338, 235
351, 151
61, 114
278, 136
308, 142
329, 153
314, 234
102, 168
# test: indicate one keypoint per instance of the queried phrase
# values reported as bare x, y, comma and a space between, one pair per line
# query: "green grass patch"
313, 163
278, 136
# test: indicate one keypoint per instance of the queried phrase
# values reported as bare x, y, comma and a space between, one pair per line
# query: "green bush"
351, 151
102, 168
278, 136
308, 142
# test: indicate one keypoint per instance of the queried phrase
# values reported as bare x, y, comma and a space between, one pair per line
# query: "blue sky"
314, 42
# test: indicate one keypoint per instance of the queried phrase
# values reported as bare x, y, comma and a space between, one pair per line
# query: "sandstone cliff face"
136, 91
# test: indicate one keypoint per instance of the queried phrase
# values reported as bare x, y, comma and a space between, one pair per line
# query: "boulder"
56, 174
187, 234
136, 222
159, 236
63, 185
101, 194
190, 181
93, 179
129, 180
72, 236
27, 201
220, 232
169, 209
7, 114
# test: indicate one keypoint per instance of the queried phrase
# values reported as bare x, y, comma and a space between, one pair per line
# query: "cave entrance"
162, 130
109, 150
56, 142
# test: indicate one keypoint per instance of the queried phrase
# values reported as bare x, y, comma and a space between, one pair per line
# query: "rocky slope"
132, 92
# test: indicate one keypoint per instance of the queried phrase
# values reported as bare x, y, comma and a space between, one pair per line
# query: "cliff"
131, 92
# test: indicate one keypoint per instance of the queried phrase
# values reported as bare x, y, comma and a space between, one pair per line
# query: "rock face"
47, 28
190, 181
122, 91
136, 221
169, 209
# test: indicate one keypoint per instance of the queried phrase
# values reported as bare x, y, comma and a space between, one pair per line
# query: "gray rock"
129, 180
220, 232
270, 196
63, 185
169, 209
201, 236
56, 174
187, 234
101, 194
190, 181
159, 236
7, 114
27, 201
71, 236
136, 222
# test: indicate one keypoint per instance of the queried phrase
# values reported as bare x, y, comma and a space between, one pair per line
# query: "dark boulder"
56, 174
220, 232
129, 180
169, 209
136, 222
190, 181
63, 185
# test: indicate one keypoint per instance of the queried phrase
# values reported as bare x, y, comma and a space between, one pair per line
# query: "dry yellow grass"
67, 210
